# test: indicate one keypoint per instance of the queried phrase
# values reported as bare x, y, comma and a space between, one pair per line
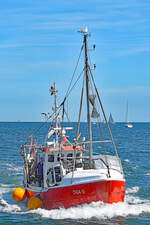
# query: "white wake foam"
8, 208
4, 205
97, 210
133, 206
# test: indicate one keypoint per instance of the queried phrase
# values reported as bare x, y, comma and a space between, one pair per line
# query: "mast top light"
83, 31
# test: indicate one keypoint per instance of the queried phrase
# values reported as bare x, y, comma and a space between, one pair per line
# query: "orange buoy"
19, 194
34, 203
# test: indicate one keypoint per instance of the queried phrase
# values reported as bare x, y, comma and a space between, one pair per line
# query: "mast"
87, 98
56, 116
54, 92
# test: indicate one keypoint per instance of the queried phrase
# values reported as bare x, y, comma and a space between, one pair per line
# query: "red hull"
105, 191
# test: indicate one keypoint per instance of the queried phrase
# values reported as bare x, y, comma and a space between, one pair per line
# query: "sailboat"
127, 123
111, 120
71, 172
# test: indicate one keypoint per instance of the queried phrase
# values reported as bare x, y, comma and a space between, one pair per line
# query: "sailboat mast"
126, 119
88, 105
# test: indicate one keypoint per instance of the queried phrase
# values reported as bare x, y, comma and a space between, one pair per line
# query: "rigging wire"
42, 125
99, 121
74, 71
74, 85
67, 94
59, 107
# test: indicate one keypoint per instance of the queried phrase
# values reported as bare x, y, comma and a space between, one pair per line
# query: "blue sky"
40, 44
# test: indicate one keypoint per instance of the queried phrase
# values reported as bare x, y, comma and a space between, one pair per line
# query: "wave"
5, 188
136, 167
132, 190
127, 160
147, 174
14, 168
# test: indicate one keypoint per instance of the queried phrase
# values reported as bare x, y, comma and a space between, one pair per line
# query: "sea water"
133, 146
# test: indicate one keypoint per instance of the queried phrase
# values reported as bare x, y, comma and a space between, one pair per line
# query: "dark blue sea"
134, 150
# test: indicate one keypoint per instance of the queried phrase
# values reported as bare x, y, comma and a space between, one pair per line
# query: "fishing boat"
111, 120
127, 123
72, 171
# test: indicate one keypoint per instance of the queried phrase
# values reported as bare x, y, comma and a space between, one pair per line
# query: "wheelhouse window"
50, 158
58, 157
69, 156
78, 155
62, 157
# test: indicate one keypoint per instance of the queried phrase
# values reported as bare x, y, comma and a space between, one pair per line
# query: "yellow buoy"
19, 194
34, 203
